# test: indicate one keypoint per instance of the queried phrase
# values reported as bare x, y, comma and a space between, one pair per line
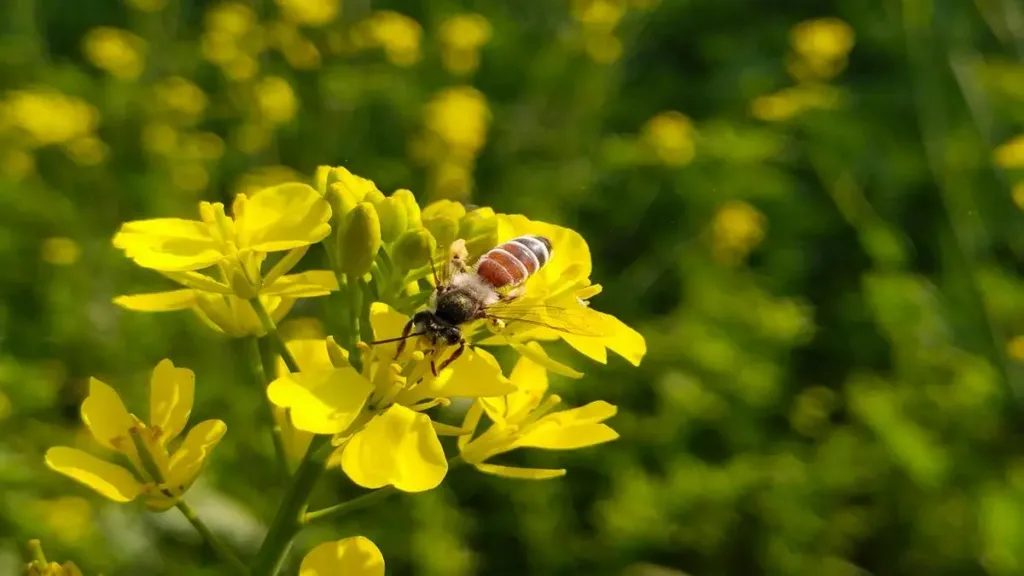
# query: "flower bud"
320, 178
344, 189
360, 240
444, 229
342, 202
412, 209
393, 219
480, 229
413, 249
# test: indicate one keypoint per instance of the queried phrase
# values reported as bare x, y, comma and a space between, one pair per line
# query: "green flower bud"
413, 249
342, 200
360, 240
444, 229
344, 189
393, 219
480, 230
412, 209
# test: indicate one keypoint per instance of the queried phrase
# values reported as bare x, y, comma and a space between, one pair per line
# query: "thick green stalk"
255, 360
272, 333
225, 554
288, 520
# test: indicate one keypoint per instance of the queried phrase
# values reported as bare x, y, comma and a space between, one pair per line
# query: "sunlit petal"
110, 480
304, 285
399, 447
571, 429
172, 391
544, 360
283, 217
310, 353
475, 374
158, 301
356, 556
321, 401
188, 459
170, 244
105, 415
387, 323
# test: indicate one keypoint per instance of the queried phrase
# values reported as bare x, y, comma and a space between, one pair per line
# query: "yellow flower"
670, 135
823, 38
161, 476
462, 37
119, 52
376, 415
61, 251
398, 34
460, 117
559, 295
181, 96
224, 313
288, 217
737, 228
1011, 154
790, 102
45, 116
276, 100
523, 419
311, 354
309, 12
355, 556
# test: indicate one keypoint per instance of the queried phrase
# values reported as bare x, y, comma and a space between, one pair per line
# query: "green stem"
223, 551
260, 378
288, 520
35, 551
359, 502
271, 330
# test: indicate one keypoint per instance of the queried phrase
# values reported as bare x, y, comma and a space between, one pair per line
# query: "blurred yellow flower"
460, 117
1018, 194
276, 100
602, 47
86, 150
159, 475
116, 51
60, 251
1011, 154
462, 36
17, 164
790, 102
820, 48
398, 34
670, 136
159, 138
251, 138
190, 177
524, 419
69, 518
181, 96
309, 12
44, 116
601, 15
1015, 348
232, 18
737, 228
355, 556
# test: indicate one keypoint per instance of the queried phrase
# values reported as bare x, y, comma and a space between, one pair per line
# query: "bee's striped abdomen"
515, 261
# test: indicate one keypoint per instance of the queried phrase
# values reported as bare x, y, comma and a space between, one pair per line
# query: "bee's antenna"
433, 270
398, 339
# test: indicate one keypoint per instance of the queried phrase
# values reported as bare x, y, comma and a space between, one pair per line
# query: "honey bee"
478, 291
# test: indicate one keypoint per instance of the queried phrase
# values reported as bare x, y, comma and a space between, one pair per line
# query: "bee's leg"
455, 356
416, 319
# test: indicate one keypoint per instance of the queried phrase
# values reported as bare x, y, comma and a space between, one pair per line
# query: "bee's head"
440, 330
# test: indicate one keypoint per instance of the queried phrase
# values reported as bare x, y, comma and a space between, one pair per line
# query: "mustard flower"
376, 415
524, 419
160, 475
287, 217
356, 556
227, 314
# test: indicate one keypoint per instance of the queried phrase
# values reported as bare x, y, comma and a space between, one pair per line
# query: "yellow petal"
623, 340
321, 401
110, 480
283, 217
304, 285
170, 244
593, 348
105, 415
188, 459
531, 382
158, 301
399, 447
310, 353
571, 429
172, 391
387, 323
521, 473
356, 556
544, 360
475, 374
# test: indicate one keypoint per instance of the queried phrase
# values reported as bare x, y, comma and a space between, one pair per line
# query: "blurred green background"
811, 209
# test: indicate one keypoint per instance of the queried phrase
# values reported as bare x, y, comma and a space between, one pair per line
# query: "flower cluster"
360, 399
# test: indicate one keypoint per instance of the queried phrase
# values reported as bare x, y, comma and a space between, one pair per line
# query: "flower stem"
35, 551
288, 520
225, 554
359, 502
271, 330
260, 378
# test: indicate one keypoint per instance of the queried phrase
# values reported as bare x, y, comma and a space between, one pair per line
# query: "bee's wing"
576, 320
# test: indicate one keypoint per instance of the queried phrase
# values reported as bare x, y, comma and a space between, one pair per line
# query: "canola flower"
351, 399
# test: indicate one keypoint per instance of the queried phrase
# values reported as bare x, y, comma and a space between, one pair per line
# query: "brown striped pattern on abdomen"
513, 262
